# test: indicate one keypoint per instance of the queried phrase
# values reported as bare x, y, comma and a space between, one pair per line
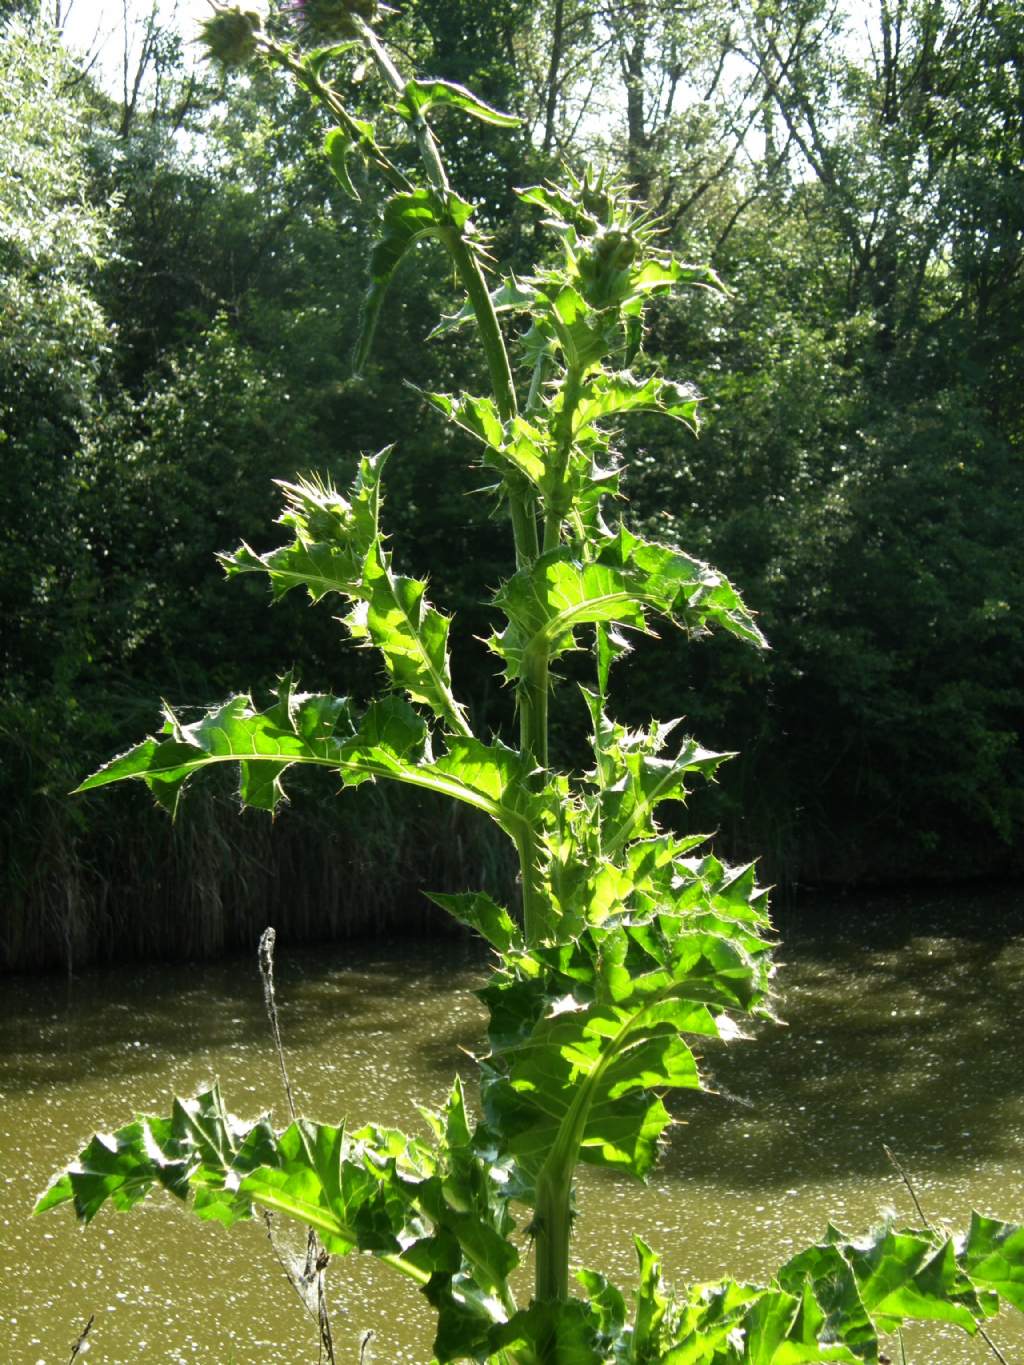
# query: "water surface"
898, 1032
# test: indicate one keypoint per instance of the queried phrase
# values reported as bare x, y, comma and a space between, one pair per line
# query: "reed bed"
115, 879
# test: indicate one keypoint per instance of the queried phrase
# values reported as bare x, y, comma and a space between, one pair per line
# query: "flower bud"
230, 35
597, 202
324, 20
616, 249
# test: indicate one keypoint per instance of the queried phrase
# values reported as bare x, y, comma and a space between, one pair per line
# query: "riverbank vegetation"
180, 281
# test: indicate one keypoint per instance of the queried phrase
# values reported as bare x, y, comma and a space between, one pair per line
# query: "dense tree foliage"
179, 282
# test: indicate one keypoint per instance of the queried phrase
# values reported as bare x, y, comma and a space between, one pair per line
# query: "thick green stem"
522, 507
536, 906
522, 503
329, 99
553, 1209
556, 512
429, 153
471, 278
533, 700
553, 1225
521, 500
466, 264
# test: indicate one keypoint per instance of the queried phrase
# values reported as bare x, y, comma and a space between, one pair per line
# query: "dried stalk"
314, 1272
80, 1344
901, 1172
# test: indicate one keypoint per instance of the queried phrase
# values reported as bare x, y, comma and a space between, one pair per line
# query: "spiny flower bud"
597, 202
230, 35
327, 19
615, 248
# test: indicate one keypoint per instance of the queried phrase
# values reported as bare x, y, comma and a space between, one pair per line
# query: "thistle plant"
632, 942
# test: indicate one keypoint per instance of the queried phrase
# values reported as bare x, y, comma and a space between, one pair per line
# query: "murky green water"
898, 1035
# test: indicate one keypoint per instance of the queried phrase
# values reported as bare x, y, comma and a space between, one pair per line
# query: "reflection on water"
899, 1030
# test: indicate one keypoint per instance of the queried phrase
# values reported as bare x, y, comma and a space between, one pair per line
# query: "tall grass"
86, 881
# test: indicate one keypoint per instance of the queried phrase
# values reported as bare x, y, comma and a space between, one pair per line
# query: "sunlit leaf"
607, 395
586, 1034
393, 614
436, 1213
516, 444
511, 295
548, 600
318, 1177
568, 1333
901, 1276
480, 912
331, 535
389, 740
993, 1256
651, 1302
337, 547
339, 145
407, 217
419, 97
690, 592
318, 58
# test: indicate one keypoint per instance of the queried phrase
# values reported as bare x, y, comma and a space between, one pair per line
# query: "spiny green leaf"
585, 334
122, 1168
440, 1214
768, 1325
901, 1275
551, 199
478, 416
607, 395
632, 779
651, 1302
412, 636
337, 547
828, 1275
516, 444
641, 780
199, 1143
408, 217
456, 1130
332, 535
568, 1333
666, 272
318, 58
993, 1256
690, 592
480, 912
466, 1317
545, 601
606, 1300
582, 1033
233, 732
390, 740
510, 296
419, 97
318, 1177
621, 1133
609, 645
339, 144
